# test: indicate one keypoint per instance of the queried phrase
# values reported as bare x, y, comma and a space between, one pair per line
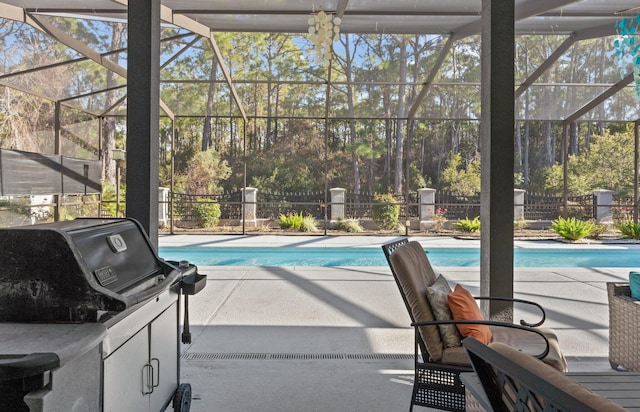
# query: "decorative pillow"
634, 284
437, 297
464, 307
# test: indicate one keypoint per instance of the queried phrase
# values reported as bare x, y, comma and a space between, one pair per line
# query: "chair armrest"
528, 302
489, 323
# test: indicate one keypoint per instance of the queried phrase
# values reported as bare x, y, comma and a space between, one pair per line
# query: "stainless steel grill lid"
70, 271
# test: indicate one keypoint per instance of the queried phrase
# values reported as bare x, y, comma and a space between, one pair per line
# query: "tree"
401, 114
459, 179
608, 165
109, 130
347, 66
206, 172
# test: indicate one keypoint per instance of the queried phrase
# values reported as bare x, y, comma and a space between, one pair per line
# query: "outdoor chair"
438, 365
514, 381
624, 328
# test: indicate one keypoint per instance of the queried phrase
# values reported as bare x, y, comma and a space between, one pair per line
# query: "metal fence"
270, 205
544, 207
453, 207
359, 205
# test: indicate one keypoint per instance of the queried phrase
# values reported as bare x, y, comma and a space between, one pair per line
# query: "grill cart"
90, 319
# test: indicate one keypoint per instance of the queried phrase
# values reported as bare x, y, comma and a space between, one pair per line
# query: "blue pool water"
309, 256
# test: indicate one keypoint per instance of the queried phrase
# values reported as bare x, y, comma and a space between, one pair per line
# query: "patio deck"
337, 339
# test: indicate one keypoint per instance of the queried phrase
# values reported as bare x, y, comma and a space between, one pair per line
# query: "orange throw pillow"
464, 307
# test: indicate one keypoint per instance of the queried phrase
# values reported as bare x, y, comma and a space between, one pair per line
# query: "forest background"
311, 128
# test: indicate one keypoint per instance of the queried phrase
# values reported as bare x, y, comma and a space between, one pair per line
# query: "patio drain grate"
294, 356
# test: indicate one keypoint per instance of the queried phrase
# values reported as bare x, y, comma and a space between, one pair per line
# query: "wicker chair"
624, 328
436, 368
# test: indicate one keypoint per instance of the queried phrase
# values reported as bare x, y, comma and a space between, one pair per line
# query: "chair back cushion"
463, 306
437, 297
414, 275
544, 395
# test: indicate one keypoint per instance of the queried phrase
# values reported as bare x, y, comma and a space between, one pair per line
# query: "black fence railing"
180, 208
453, 207
230, 204
270, 205
359, 205
544, 207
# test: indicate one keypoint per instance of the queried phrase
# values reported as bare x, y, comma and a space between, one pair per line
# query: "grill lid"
69, 271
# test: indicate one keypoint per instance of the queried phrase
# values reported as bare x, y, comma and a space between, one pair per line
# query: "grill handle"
27, 365
154, 290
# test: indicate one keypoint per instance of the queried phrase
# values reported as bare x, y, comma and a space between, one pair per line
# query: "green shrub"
297, 221
598, 231
385, 211
520, 224
572, 228
348, 225
629, 229
468, 225
206, 214
109, 199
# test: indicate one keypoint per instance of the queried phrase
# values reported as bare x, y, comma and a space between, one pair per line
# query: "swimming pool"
370, 256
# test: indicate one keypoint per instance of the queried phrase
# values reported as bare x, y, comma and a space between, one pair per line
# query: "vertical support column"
57, 201
250, 204
604, 202
172, 180
143, 102
427, 203
565, 170
497, 151
518, 204
337, 203
636, 159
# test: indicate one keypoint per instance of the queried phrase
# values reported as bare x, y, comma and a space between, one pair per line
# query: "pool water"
309, 256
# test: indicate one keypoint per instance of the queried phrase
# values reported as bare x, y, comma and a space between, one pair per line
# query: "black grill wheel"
182, 398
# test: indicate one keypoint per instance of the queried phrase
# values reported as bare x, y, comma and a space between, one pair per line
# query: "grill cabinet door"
125, 375
164, 356
142, 374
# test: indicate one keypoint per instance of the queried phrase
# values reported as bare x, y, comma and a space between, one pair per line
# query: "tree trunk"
267, 138
109, 127
207, 129
388, 133
352, 122
573, 139
548, 145
400, 116
525, 163
518, 144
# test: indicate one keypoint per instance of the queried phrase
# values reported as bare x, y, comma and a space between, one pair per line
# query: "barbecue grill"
90, 319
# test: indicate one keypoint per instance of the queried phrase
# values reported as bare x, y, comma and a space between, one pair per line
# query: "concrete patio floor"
337, 338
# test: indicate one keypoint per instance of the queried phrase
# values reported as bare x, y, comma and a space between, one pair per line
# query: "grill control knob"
183, 264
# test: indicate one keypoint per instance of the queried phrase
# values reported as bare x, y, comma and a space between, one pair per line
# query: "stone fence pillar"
163, 206
604, 202
337, 203
250, 204
427, 203
518, 204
